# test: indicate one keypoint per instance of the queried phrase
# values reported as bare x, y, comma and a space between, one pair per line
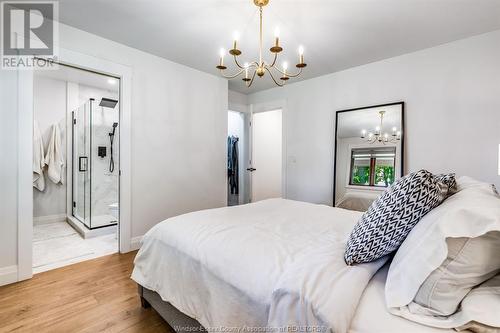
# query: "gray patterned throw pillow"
449, 180
390, 218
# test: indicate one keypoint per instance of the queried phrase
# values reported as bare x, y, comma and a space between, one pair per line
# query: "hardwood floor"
92, 296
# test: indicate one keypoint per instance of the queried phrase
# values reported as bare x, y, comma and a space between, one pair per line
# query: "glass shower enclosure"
95, 159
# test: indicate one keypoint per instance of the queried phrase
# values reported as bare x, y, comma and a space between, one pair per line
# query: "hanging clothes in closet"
232, 164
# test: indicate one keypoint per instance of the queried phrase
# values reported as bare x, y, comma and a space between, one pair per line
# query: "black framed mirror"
369, 153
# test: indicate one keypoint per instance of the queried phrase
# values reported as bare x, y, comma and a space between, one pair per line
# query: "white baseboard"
8, 275
135, 243
49, 219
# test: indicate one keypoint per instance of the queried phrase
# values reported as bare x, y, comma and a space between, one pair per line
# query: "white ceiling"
350, 124
70, 74
336, 34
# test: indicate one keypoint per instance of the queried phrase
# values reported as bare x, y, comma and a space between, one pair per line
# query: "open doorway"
237, 158
75, 170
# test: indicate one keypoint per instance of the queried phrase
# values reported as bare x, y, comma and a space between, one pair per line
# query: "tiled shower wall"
104, 191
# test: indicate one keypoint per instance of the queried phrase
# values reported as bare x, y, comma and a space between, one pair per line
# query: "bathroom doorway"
76, 166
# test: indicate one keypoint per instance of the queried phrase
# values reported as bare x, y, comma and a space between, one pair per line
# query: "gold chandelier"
261, 67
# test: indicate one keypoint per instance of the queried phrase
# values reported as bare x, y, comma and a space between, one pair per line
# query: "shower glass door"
81, 162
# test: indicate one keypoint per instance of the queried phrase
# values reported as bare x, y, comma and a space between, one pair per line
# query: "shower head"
114, 128
108, 102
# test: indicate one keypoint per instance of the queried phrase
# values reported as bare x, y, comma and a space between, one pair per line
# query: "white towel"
54, 158
38, 158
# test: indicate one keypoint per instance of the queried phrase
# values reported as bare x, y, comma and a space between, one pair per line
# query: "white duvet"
271, 264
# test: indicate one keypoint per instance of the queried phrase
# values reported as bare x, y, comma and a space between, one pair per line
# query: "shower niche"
95, 174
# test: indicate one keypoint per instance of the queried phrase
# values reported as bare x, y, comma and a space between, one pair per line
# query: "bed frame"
177, 320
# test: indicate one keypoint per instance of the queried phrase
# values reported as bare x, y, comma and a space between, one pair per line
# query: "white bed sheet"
372, 315
269, 264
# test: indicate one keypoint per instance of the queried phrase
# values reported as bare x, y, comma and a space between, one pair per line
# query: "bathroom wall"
49, 99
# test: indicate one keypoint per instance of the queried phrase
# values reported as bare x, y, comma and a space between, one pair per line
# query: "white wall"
179, 124
237, 101
8, 170
49, 108
452, 95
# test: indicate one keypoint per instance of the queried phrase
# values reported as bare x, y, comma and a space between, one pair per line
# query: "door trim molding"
25, 175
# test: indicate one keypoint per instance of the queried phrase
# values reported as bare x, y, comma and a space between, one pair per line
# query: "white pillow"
470, 262
479, 311
472, 212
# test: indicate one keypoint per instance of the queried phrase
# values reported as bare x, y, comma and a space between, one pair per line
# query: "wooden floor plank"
92, 296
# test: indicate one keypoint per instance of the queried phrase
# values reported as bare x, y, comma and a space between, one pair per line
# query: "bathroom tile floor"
58, 244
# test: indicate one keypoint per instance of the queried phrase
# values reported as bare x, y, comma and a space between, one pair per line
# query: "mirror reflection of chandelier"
379, 135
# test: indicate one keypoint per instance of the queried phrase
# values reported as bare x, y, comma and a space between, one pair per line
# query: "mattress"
274, 263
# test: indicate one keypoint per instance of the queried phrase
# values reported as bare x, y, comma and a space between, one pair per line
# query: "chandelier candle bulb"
222, 52
277, 37
236, 37
285, 76
221, 61
363, 134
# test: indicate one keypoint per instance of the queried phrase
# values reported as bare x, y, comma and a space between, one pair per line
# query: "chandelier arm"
243, 67
231, 76
274, 61
287, 74
272, 77
249, 84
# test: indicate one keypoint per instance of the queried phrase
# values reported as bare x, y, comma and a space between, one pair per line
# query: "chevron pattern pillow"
390, 218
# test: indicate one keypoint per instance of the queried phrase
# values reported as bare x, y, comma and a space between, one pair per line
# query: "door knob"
251, 169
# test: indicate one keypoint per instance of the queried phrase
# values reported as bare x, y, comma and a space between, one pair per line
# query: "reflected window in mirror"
373, 167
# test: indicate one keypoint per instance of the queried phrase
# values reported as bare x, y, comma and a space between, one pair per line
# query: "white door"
266, 160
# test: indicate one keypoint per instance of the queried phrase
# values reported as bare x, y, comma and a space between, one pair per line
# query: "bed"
274, 264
